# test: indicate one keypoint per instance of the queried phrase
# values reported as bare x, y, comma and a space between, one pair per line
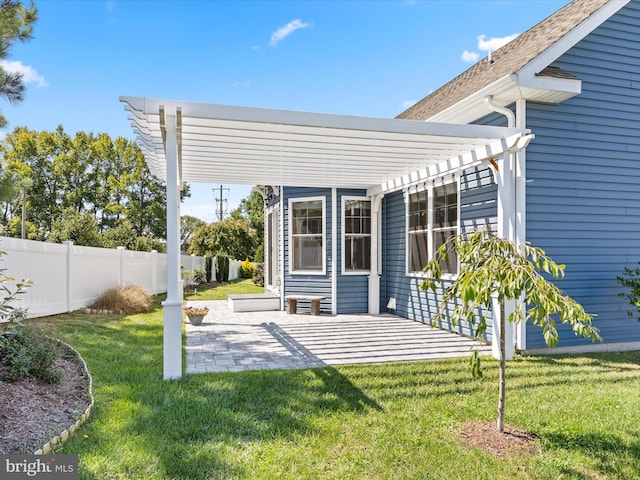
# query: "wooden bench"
292, 302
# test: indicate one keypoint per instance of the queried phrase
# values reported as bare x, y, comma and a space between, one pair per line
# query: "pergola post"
374, 276
172, 335
506, 229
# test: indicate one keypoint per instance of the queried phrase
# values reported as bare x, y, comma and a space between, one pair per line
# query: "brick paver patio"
232, 342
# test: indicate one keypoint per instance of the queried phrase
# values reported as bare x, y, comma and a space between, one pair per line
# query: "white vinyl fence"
69, 277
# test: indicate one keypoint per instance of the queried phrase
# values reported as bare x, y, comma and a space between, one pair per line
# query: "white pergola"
196, 142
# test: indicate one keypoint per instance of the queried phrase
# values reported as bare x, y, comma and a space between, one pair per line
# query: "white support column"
154, 272
172, 364
521, 204
121, 250
506, 229
69, 276
374, 276
334, 250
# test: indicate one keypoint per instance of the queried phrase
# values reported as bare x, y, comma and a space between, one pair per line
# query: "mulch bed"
32, 412
485, 436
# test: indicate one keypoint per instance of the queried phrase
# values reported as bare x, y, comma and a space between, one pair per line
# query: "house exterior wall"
352, 290
583, 177
477, 208
312, 284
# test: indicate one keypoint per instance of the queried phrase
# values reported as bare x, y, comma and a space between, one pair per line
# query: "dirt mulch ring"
32, 412
485, 436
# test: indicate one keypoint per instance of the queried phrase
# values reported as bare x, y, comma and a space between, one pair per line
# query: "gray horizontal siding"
477, 208
478, 199
353, 290
583, 172
308, 284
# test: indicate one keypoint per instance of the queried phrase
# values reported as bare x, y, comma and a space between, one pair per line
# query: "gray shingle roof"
506, 60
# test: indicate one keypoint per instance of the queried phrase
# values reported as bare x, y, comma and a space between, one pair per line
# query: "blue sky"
369, 58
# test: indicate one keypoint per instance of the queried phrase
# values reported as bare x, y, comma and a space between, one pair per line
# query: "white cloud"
493, 44
284, 32
470, 57
29, 74
242, 84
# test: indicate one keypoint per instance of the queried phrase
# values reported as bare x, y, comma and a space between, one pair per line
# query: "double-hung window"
356, 234
307, 235
432, 220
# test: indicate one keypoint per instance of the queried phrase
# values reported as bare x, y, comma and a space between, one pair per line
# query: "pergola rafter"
197, 142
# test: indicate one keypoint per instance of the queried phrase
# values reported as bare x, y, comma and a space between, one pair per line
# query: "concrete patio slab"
231, 342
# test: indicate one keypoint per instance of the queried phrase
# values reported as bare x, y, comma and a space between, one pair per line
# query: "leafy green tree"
14, 229
82, 228
87, 173
251, 209
122, 235
188, 225
493, 267
231, 237
630, 280
16, 25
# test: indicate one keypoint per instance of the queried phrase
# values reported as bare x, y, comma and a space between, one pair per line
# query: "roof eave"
505, 92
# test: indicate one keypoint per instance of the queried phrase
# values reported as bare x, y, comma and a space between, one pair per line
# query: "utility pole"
221, 201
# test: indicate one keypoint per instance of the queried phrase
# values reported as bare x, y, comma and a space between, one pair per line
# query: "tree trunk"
502, 388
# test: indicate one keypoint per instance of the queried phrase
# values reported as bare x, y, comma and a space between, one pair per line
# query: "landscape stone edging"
66, 434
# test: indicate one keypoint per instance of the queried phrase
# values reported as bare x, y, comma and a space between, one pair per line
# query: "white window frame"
430, 247
345, 199
269, 242
290, 236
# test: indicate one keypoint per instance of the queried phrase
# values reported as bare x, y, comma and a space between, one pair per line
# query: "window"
418, 230
432, 220
307, 235
356, 234
445, 222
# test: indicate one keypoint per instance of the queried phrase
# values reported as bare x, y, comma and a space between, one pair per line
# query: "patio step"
253, 302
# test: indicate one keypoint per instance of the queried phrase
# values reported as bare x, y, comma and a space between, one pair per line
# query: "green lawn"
393, 421
221, 292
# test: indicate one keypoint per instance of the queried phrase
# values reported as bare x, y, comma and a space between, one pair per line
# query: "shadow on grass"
198, 427
613, 456
194, 427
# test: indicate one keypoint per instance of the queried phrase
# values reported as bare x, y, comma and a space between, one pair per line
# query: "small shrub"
246, 269
200, 276
631, 281
222, 268
258, 275
27, 352
125, 299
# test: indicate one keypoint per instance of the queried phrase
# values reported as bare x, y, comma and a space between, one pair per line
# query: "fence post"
154, 272
121, 250
69, 244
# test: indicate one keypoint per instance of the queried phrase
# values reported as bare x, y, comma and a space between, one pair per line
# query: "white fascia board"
457, 112
572, 38
505, 92
541, 82
148, 106
472, 158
